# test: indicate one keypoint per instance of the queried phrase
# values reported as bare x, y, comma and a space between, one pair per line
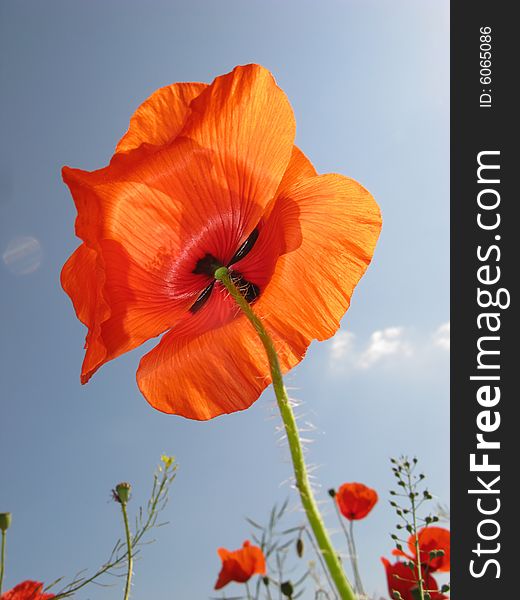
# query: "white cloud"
441, 337
342, 346
384, 343
391, 346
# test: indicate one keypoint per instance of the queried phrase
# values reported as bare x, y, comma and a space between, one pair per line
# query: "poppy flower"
401, 579
430, 538
240, 565
355, 500
208, 176
27, 590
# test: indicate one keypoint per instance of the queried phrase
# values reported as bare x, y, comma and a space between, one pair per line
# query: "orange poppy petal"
247, 121
433, 538
400, 553
224, 577
252, 559
240, 565
334, 223
160, 118
82, 280
203, 375
231, 570
300, 167
133, 239
223, 553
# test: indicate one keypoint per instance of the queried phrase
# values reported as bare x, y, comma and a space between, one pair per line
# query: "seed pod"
5, 521
287, 589
122, 492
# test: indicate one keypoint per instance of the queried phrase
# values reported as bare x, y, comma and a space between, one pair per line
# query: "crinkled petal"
83, 281
160, 117
204, 374
331, 224
240, 565
247, 121
299, 168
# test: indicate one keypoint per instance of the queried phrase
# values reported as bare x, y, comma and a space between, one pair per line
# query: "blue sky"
369, 84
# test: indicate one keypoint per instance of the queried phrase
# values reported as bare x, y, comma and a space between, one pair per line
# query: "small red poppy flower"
355, 500
240, 565
209, 176
430, 539
402, 579
27, 590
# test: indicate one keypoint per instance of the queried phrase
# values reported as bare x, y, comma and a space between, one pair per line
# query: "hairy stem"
300, 470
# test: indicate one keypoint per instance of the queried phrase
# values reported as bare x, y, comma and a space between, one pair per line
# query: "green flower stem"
269, 596
130, 562
2, 560
300, 471
416, 538
349, 536
248, 592
355, 563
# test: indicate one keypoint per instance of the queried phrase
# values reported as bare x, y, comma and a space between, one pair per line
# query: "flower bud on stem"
323, 541
122, 493
5, 523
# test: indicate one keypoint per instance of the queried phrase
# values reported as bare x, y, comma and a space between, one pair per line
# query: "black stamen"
246, 247
207, 265
202, 299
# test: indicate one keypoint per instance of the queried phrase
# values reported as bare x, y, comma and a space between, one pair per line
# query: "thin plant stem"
349, 536
269, 596
120, 558
416, 538
248, 591
345, 531
300, 470
130, 561
320, 559
2, 560
355, 564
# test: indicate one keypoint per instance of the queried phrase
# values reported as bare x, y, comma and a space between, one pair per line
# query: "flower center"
209, 264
